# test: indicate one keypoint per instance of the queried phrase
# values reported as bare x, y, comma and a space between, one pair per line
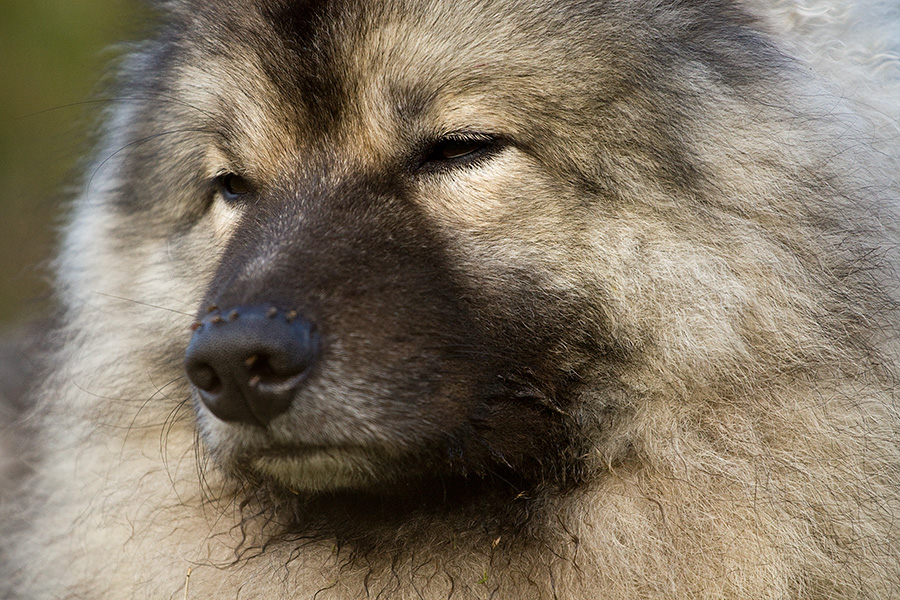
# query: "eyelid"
458, 149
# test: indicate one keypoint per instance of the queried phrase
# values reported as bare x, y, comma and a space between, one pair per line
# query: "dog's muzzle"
248, 362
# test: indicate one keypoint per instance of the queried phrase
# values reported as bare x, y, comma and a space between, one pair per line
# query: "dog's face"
389, 303
422, 230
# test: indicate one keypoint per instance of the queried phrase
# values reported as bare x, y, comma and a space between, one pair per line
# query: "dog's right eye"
233, 187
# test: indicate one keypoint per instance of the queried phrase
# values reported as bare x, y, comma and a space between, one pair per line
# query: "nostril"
204, 377
247, 367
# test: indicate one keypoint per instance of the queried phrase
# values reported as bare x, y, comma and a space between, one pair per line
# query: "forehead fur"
288, 80
303, 75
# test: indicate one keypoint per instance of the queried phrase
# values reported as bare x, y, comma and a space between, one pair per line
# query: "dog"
478, 299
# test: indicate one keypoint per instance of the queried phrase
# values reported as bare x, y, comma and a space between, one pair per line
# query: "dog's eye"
233, 186
458, 149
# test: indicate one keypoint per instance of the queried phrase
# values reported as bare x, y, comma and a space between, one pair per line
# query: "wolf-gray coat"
479, 299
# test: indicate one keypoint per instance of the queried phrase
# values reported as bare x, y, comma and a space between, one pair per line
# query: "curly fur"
644, 348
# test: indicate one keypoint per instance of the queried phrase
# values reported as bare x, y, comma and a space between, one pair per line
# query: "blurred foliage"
52, 56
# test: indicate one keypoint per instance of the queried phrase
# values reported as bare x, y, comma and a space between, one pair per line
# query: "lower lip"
317, 469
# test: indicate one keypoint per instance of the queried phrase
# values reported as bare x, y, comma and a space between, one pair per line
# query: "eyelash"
458, 150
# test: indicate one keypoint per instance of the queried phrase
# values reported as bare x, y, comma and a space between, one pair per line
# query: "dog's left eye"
458, 149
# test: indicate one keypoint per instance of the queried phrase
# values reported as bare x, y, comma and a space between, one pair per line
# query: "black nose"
248, 362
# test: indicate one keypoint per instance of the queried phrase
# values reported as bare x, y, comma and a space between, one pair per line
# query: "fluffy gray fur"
645, 339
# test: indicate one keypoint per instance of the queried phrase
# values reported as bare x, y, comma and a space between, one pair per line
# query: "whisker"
165, 98
137, 143
147, 304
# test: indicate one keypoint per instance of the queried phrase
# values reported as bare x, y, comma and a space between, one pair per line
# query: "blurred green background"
52, 56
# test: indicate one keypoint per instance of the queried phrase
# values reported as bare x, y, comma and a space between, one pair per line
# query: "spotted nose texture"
248, 362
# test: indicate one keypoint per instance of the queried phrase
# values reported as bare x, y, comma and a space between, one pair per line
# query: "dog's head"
460, 241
